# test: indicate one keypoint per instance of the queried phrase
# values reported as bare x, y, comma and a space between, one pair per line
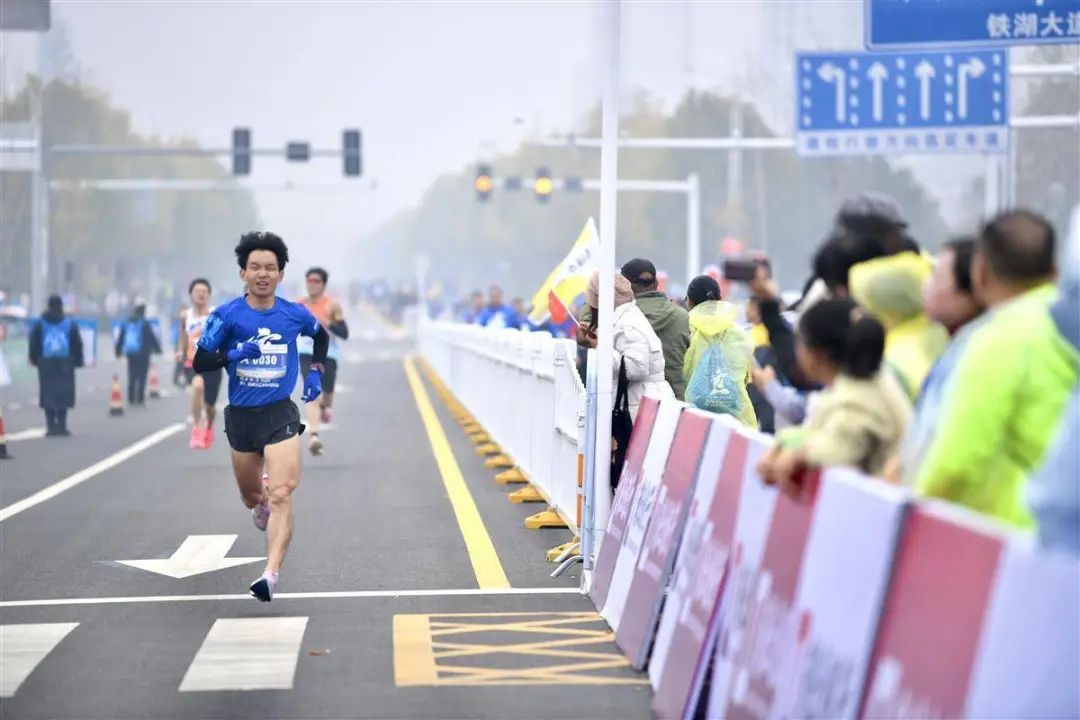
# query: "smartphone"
742, 269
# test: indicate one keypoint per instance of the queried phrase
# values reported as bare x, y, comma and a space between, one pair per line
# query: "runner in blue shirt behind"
254, 337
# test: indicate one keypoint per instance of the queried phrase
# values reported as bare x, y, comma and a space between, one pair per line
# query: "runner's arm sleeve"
209, 353
340, 329
322, 346
208, 360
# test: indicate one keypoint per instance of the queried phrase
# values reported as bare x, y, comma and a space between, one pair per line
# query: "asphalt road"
380, 613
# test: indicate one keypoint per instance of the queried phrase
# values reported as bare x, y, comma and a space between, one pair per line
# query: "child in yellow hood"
891, 289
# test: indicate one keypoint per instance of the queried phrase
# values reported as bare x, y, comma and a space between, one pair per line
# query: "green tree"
787, 204
1047, 170
94, 231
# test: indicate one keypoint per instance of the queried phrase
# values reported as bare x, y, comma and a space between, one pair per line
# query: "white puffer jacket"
638, 345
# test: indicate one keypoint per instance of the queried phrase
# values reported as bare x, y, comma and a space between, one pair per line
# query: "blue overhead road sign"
876, 103
896, 24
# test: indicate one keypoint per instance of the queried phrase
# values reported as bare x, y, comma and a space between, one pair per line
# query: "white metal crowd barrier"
525, 390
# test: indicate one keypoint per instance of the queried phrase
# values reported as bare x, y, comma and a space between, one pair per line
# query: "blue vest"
133, 337
56, 339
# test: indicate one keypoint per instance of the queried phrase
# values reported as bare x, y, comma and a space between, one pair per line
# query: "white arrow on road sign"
196, 555
832, 74
877, 74
924, 71
973, 68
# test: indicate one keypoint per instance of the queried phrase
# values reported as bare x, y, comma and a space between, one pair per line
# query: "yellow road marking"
485, 562
439, 663
414, 657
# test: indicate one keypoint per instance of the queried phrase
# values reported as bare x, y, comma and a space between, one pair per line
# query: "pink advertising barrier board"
641, 510
608, 551
662, 537
976, 624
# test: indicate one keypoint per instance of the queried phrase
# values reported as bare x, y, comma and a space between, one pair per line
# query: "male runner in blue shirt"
254, 337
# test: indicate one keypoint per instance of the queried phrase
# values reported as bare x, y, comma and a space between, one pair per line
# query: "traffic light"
543, 185
351, 154
573, 184
297, 152
512, 183
241, 151
484, 184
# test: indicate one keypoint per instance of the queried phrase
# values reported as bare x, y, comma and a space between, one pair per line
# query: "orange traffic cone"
116, 399
3, 440
154, 390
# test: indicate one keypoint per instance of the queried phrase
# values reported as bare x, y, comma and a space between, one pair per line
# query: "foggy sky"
433, 85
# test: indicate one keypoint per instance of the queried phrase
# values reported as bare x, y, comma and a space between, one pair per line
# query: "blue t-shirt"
272, 376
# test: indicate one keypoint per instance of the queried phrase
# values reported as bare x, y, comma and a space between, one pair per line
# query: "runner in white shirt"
205, 386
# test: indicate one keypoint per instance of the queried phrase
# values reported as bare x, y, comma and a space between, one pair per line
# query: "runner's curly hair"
259, 240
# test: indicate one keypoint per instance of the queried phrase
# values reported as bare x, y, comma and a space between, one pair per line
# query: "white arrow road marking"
838, 77
196, 555
22, 647
28, 434
877, 74
973, 68
247, 654
924, 71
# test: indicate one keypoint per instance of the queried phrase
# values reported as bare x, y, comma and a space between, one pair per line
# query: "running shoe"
263, 588
197, 438
315, 445
208, 437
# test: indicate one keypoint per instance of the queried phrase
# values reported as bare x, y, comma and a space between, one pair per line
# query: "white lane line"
87, 473
28, 434
247, 654
332, 595
22, 647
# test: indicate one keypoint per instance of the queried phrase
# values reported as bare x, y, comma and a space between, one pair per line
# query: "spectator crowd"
955, 375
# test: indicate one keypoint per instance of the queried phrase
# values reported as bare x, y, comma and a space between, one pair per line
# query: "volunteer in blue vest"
254, 339
56, 350
137, 341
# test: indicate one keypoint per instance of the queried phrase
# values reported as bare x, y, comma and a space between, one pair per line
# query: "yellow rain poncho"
890, 289
717, 365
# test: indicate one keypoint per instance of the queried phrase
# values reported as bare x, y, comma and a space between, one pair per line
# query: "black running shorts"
250, 429
211, 383
329, 376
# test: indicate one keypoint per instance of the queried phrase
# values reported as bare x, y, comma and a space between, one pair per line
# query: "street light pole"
599, 491
39, 209
693, 227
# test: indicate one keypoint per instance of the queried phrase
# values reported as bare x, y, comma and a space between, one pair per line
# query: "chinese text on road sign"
899, 24
876, 103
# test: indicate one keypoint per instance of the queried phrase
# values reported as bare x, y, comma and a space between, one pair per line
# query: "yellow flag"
569, 278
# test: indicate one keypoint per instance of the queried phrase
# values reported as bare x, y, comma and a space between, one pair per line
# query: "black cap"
873, 205
639, 271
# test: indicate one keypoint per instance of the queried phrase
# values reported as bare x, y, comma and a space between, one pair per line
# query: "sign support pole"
609, 173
